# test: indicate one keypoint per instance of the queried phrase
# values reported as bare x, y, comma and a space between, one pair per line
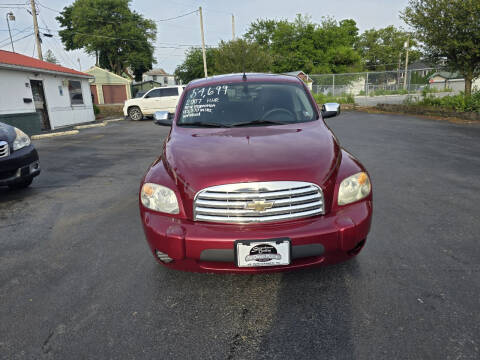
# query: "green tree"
50, 57
383, 49
241, 55
449, 29
192, 66
302, 45
121, 39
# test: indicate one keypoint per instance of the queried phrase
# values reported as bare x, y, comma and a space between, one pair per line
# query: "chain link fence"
370, 88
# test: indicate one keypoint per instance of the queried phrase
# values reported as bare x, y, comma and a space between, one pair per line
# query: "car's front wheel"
21, 184
135, 113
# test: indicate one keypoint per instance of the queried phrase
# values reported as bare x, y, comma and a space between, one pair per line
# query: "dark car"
251, 179
18, 158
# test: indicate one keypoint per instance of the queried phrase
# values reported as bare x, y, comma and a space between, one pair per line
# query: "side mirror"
330, 110
162, 118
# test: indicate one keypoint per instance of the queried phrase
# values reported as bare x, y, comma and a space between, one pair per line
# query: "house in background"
109, 88
450, 80
144, 86
159, 75
302, 76
37, 95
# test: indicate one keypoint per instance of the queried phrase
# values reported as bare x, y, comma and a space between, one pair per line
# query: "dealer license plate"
254, 253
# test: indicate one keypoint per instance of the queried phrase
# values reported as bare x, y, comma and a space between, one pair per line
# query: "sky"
174, 36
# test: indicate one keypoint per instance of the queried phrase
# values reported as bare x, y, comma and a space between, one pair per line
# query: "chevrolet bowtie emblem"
259, 205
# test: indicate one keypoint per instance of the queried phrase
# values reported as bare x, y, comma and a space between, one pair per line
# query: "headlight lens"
354, 188
159, 198
21, 140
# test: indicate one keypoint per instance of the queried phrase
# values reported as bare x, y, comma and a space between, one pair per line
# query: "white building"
38, 95
159, 75
451, 80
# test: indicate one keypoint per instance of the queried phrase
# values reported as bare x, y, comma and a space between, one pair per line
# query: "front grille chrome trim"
287, 200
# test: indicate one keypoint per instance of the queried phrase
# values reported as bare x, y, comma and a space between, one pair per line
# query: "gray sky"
173, 35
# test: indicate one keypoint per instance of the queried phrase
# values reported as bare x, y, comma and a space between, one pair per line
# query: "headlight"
354, 188
21, 140
159, 198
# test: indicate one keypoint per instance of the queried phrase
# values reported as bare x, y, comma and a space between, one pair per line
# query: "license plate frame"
248, 253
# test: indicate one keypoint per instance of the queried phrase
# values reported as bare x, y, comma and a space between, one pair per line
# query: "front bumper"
20, 165
209, 247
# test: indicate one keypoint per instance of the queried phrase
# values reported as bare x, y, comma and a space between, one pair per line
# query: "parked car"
157, 99
251, 179
19, 162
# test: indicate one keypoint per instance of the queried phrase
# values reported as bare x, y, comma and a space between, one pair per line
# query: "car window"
153, 93
239, 103
169, 92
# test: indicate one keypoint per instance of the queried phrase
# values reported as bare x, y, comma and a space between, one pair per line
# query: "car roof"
166, 87
233, 78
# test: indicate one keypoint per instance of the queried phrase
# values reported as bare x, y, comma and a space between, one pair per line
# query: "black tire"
135, 113
21, 185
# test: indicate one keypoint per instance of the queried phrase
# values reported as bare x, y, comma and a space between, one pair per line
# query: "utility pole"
406, 45
203, 42
35, 29
398, 69
233, 27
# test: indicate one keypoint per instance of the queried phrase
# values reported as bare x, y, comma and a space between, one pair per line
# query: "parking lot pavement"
77, 279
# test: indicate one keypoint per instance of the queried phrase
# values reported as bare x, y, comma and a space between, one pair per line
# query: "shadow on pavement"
313, 315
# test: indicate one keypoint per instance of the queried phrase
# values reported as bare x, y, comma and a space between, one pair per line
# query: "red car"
251, 179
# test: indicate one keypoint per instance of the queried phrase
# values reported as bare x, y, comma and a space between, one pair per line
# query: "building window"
154, 77
165, 80
75, 91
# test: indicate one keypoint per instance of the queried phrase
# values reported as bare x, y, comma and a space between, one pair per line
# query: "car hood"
7, 133
201, 157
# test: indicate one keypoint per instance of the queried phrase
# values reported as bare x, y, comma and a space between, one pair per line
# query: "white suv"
157, 99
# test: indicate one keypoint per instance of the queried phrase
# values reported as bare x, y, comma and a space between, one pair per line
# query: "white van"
157, 99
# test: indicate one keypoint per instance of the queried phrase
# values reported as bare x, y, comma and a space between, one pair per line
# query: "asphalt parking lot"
77, 279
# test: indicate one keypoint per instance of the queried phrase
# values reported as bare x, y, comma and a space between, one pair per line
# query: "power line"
16, 40
48, 8
177, 17
125, 39
17, 32
116, 22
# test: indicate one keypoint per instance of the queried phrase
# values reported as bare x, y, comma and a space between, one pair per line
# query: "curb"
55, 134
79, 127
74, 132
113, 120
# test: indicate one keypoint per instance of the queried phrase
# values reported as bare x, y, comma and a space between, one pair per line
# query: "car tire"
21, 184
135, 113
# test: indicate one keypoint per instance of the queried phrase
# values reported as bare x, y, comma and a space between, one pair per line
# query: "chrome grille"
257, 202
4, 149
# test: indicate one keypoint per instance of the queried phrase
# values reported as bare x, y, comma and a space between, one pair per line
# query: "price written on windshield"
210, 91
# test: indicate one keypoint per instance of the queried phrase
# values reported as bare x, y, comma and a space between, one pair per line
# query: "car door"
150, 101
170, 98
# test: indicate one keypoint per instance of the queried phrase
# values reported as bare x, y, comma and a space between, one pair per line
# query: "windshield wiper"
260, 122
205, 124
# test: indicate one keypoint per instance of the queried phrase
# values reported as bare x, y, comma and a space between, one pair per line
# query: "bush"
96, 110
458, 102
431, 90
344, 99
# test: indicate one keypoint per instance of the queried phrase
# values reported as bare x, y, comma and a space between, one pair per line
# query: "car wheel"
135, 113
21, 185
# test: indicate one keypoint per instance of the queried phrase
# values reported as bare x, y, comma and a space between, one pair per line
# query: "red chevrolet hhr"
251, 179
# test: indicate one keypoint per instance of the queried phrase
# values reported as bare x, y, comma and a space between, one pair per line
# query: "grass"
345, 99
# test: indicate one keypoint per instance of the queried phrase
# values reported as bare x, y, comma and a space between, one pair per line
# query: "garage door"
93, 90
114, 94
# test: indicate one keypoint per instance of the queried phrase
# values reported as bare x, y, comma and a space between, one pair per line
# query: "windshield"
246, 104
